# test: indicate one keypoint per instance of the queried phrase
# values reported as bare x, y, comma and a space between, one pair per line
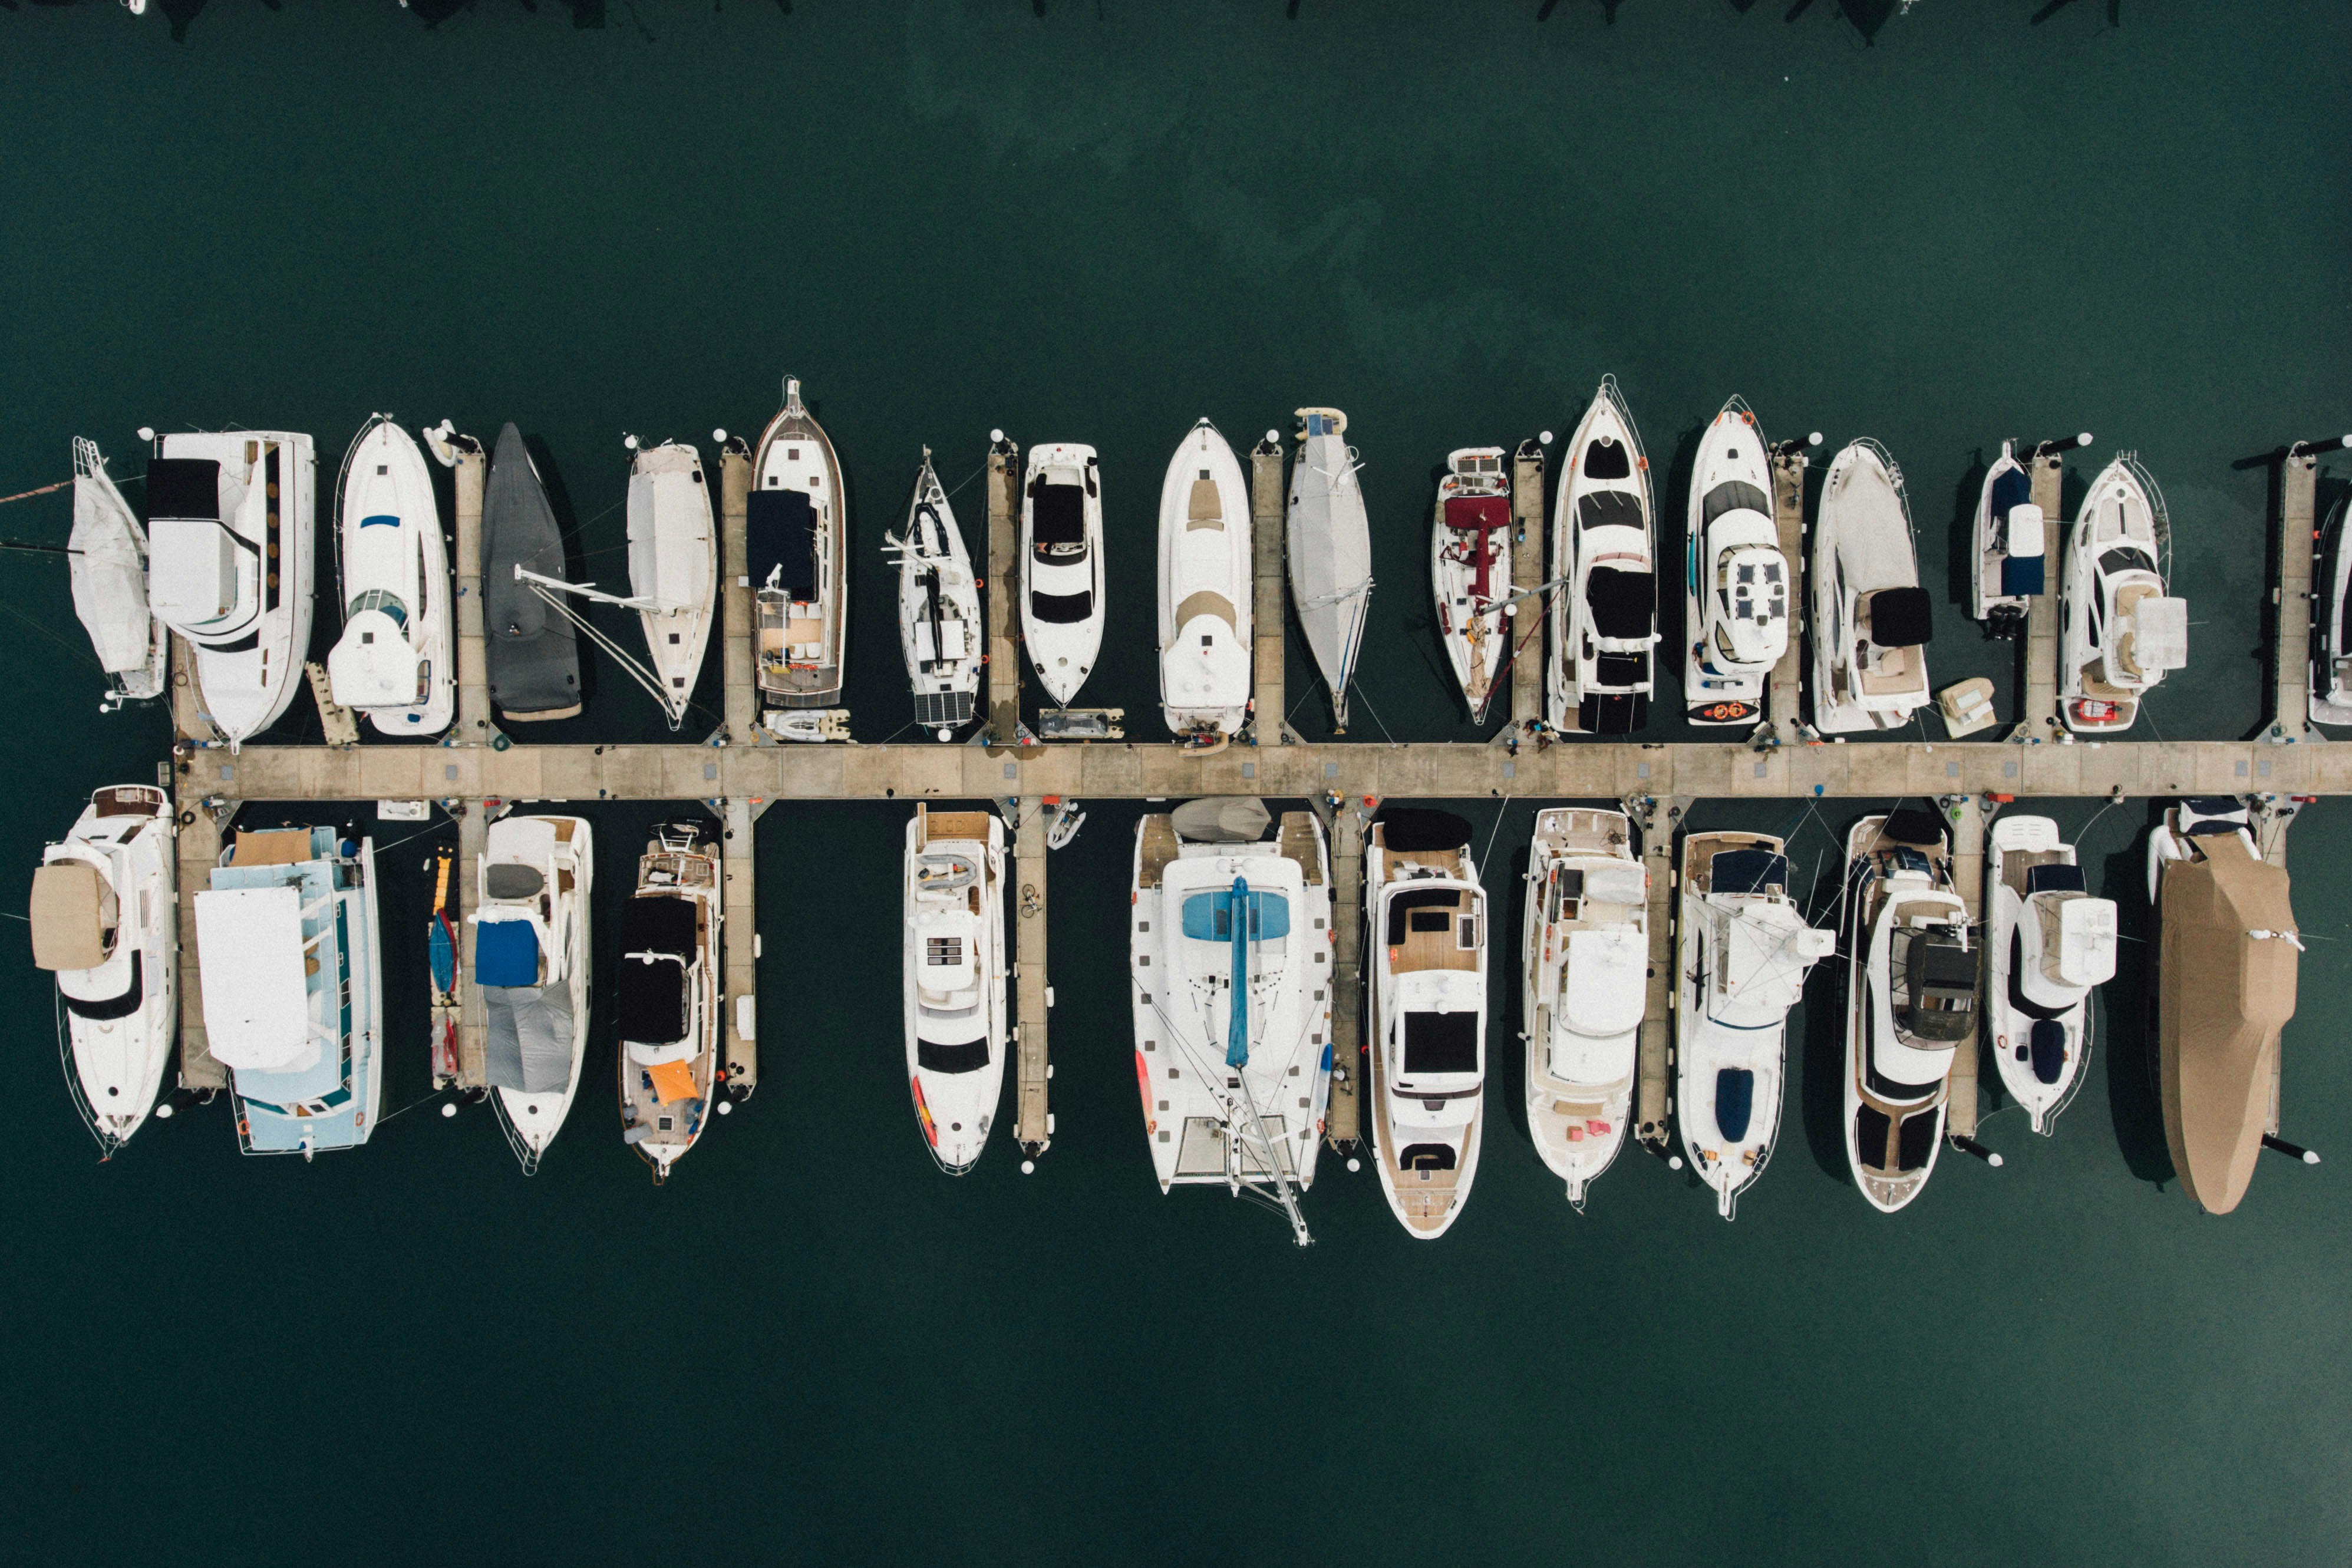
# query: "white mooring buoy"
1354, 1164
163, 1112
1028, 1168
450, 1109
727, 1107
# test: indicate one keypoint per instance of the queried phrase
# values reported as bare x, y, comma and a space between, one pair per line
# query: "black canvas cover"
1057, 515
779, 538
1607, 460
1062, 609
1412, 827
1441, 1042
532, 657
1901, 618
2055, 878
1734, 496
1625, 603
653, 1000
933, 1056
658, 925
1610, 508
1403, 905
1910, 825
184, 487
1748, 871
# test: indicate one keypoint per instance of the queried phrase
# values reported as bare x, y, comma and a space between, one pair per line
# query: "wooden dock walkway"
1783, 692
2298, 552
1343, 1124
1268, 653
1033, 1125
1004, 694
1966, 815
2037, 717
1653, 1097
1525, 627
741, 706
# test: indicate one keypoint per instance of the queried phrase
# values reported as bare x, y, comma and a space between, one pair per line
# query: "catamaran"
1604, 625
532, 959
1586, 968
395, 659
106, 924
2227, 953
1229, 956
1329, 551
2119, 632
1910, 1000
289, 956
1062, 572
530, 656
229, 521
952, 980
1426, 917
1206, 566
940, 627
668, 995
1742, 952
1872, 620
1470, 569
2047, 943
673, 576
107, 564
1739, 592
797, 530
2009, 547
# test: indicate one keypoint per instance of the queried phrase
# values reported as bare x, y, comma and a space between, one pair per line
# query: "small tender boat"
1586, 964
2009, 547
108, 568
668, 995
1910, 1000
1230, 968
1470, 569
1743, 950
395, 661
532, 656
1872, 620
953, 979
2119, 632
229, 522
289, 956
107, 924
1427, 924
1739, 592
2331, 642
1205, 579
2227, 952
797, 530
1604, 620
1330, 541
1062, 578
531, 960
2047, 942
940, 627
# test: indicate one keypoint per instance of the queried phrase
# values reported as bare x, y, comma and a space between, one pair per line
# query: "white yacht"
2047, 942
2009, 547
1230, 970
229, 522
1742, 952
1604, 620
291, 957
1329, 552
107, 924
2119, 632
1739, 592
1872, 620
1586, 963
395, 661
952, 979
1426, 922
2331, 642
940, 631
1470, 569
1205, 579
532, 961
673, 567
1062, 576
797, 531
668, 996
1910, 1000
107, 564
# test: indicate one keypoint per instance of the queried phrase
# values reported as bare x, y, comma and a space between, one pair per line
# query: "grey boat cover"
1330, 560
530, 1045
533, 653
1229, 819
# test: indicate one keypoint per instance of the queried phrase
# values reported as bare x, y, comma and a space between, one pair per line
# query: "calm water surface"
1098, 224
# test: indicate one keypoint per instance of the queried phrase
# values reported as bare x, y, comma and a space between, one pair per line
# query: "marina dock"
1269, 721
736, 613
1033, 1125
1654, 1084
1528, 563
1343, 1126
1003, 697
2038, 714
2298, 565
1966, 815
1783, 692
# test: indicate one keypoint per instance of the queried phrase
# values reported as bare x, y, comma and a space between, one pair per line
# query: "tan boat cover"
73, 911
2223, 995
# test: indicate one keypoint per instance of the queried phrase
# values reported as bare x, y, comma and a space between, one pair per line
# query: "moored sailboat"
1329, 552
107, 564
530, 653
1470, 569
940, 628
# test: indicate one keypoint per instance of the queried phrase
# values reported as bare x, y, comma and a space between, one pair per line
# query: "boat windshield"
1936, 1000
379, 599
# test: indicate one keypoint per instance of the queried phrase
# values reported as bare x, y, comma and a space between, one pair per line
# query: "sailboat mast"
1237, 1058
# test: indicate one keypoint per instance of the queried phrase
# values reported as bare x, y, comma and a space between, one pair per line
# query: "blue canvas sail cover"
779, 538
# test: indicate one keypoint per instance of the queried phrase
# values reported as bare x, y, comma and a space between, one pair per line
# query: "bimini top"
257, 1005
74, 914
780, 535
1605, 989
657, 944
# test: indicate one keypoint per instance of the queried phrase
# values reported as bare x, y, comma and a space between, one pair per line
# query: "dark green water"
1098, 224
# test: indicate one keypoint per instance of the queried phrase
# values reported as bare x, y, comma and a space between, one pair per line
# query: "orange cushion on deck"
673, 1081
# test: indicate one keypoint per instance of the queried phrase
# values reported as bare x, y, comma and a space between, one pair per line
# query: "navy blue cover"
1735, 1102
779, 542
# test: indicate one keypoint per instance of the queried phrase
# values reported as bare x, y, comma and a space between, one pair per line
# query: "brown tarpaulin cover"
2223, 995
72, 914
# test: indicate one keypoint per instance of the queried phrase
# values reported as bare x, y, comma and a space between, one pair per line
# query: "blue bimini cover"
1735, 1101
2021, 576
506, 953
1209, 916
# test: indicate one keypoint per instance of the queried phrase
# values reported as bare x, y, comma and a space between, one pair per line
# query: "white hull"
803, 623
2039, 1026
667, 1088
1739, 592
1329, 552
1062, 566
1470, 570
940, 631
951, 979
1604, 621
563, 911
1584, 959
108, 574
2007, 487
1205, 581
395, 660
2331, 667
1862, 545
673, 567
2111, 590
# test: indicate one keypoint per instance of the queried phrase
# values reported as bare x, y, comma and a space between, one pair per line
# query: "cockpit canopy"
1935, 1000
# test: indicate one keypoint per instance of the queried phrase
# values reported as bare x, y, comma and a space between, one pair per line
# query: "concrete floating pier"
1343, 1124
472, 1030
736, 611
1526, 628
473, 468
1004, 694
2038, 712
1268, 654
1783, 692
739, 935
1653, 1097
2298, 552
1033, 1125
1966, 816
